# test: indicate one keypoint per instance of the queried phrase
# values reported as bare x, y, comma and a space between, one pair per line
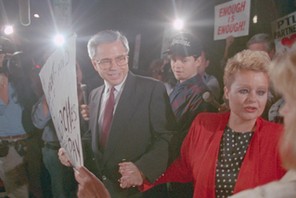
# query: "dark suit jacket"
143, 124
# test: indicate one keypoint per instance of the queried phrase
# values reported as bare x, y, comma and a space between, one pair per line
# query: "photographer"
15, 124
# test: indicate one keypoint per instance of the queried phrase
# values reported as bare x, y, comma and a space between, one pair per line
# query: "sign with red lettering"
232, 18
284, 33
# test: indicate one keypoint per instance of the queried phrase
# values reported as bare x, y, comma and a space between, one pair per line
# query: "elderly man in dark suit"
130, 119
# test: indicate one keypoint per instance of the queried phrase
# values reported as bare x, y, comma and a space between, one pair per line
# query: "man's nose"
113, 63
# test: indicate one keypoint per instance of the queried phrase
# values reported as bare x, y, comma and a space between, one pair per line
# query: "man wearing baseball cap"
185, 53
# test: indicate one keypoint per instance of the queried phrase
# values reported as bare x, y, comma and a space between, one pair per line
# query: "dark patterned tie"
107, 119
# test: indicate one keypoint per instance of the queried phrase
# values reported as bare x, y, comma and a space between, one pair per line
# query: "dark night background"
146, 17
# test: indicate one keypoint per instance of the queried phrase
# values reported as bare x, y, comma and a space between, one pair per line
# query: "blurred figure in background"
262, 42
160, 70
210, 80
16, 128
156, 69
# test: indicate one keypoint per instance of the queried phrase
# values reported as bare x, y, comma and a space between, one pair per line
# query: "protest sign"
232, 18
58, 78
284, 33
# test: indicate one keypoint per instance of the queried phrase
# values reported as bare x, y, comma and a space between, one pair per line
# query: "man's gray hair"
102, 37
262, 38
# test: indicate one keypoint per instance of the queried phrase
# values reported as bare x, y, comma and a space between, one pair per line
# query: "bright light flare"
59, 40
8, 30
255, 19
178, 24
36, 16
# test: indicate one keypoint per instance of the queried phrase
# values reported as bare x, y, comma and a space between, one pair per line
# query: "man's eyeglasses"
106, 63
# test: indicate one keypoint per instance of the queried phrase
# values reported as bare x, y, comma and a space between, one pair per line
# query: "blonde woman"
283, 75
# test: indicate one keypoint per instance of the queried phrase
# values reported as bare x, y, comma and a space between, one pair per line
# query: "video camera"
11, 63
11, 60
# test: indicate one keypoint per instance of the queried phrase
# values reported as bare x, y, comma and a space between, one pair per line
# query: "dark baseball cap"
185, 44
6, 45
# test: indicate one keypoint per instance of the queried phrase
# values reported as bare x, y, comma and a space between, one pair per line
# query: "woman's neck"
240, 125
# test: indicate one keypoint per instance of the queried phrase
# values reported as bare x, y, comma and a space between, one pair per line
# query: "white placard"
284, 33
232, 18
58, 78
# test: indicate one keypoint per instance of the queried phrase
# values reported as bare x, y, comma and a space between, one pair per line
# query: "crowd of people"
225, 153
161, 136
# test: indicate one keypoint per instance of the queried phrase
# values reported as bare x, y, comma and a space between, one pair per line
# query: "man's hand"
89, 185
131, 175
84, 110
64, 159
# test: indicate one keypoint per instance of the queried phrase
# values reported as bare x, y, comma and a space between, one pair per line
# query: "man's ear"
198, 60
94, 64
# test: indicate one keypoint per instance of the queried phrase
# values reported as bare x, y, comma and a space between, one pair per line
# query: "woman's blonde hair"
283, 76
257, 61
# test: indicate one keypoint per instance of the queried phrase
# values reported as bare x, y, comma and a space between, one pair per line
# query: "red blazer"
200, 149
